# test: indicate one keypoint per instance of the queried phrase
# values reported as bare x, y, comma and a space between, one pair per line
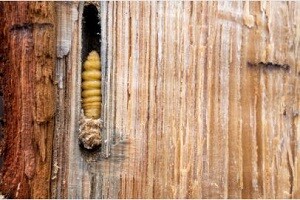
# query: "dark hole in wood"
98, 148
284, 112
90, 30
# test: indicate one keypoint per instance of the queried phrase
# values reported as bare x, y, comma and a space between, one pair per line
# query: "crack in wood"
270, 65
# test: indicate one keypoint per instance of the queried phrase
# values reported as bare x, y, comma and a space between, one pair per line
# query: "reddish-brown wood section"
27, 61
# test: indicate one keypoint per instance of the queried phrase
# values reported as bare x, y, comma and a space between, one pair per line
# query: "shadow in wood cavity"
90, 30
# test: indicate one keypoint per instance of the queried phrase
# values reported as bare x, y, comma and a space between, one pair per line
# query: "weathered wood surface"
27, 65
187, 112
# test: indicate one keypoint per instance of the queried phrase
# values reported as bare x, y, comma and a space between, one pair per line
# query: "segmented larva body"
90, 122
91, 86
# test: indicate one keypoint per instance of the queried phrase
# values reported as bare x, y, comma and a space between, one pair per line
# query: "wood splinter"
90, 123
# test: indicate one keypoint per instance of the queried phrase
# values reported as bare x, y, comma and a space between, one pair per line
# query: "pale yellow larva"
91, 86
90, 122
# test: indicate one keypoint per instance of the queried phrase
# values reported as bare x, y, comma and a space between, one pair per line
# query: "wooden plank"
188, 110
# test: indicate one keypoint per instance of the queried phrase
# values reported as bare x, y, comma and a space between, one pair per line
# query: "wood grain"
185, 114
28, 91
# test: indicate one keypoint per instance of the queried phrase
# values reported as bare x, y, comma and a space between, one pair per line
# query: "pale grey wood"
185, 114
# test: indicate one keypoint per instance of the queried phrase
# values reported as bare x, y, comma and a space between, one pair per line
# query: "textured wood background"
186, 115
188, 110
27, 52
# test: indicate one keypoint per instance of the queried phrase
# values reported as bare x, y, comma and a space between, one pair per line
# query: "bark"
28, 49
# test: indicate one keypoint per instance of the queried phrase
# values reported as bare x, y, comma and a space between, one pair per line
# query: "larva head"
93, 61
93, 55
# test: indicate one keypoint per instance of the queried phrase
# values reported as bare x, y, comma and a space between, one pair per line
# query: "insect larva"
91, 86
90, 123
